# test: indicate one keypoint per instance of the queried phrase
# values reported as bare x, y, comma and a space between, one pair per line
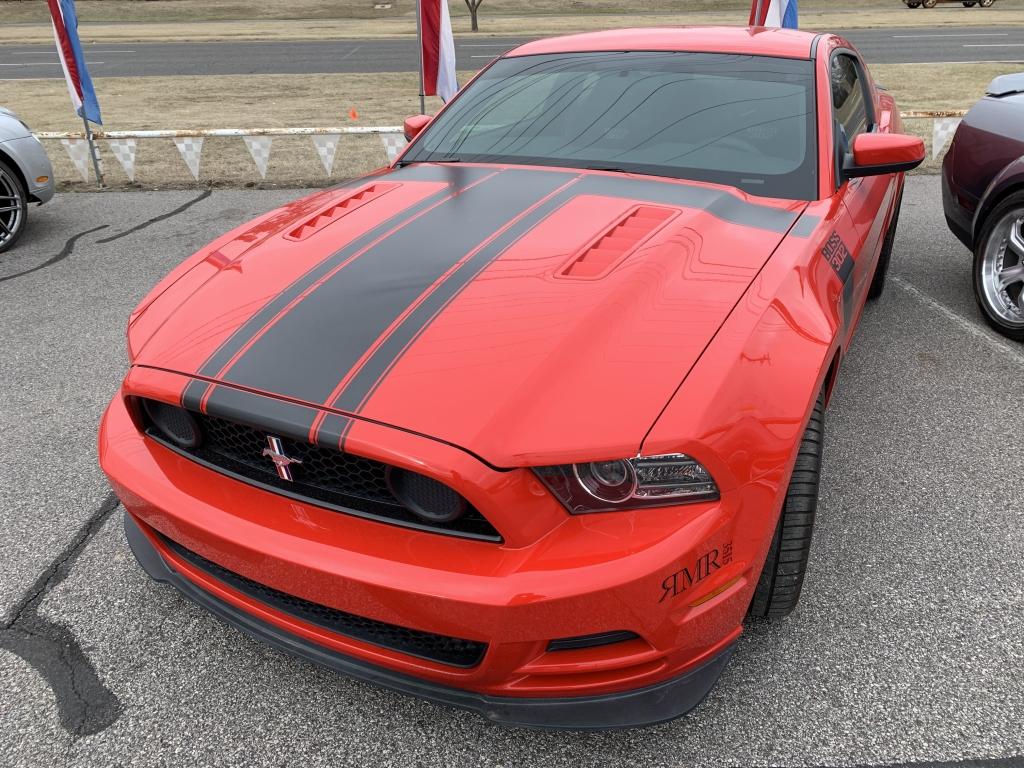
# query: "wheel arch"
1006, 183
13, 165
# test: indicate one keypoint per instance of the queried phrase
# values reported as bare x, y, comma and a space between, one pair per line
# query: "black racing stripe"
280, 417
383, 359
251, 327
331, 431
307, 352
718, 203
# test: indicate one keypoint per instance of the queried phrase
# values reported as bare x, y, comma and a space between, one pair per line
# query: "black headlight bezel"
565, 483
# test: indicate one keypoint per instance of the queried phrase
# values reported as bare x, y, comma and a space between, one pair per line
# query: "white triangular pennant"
943, 129
394, 143
124, 151
191, 149
78, 151
259, 148
326, 147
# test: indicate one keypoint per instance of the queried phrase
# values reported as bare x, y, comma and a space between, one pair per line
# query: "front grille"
452, 651
329, 478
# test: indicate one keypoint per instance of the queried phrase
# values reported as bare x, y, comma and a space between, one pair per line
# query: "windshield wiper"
445, 160
607, 168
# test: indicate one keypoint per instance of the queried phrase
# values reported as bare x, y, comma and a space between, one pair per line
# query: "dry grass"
176, 20
274, 101
257, 101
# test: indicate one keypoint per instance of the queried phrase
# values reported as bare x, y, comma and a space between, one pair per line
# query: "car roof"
756, 41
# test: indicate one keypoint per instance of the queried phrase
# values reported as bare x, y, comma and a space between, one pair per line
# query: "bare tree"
473, 6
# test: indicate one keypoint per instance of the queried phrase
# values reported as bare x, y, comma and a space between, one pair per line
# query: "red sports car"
530, 422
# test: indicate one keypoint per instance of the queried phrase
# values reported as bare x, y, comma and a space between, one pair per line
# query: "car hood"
527, 315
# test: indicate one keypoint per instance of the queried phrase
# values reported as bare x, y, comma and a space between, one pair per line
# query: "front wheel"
986, 3
930, 3
782, 578
13, 207
999, 268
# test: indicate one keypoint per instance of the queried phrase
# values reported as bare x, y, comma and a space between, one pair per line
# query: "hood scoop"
337, 210
616, 243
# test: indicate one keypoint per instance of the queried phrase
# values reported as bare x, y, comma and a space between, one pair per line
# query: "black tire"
969, 4
913, 5
885, 255
13, 207
1012, 206
986, 3
930, 3
782, 578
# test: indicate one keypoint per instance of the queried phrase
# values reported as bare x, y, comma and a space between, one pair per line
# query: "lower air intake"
442, 649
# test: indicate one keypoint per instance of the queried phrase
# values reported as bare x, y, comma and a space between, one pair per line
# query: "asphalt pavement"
908, 644
882, 46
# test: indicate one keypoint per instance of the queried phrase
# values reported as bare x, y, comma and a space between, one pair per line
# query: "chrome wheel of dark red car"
999, 269
12, 207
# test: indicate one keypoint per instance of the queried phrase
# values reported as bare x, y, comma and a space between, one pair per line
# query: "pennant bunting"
191, 149
124, 151
326, 147
259, 148
78, 151
394, 143
943, 129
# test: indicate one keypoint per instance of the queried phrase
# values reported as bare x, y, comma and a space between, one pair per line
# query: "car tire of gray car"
913, 5
782, 578
885, 255
13, 206
999, 285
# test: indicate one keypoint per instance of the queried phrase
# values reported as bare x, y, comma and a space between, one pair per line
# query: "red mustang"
531, 421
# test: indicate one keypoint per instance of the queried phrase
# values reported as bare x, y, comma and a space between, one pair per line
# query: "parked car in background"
26, 176
983, 198
933, 3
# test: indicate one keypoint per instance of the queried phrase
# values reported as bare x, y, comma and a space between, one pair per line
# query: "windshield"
746, 121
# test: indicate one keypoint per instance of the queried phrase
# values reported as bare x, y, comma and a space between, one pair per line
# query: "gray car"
26, 176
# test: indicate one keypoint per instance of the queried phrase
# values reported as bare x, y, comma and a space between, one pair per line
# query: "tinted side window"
848, 103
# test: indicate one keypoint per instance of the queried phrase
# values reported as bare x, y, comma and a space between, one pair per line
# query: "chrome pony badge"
275, 452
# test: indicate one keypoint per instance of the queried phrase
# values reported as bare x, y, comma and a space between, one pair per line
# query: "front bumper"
646, 706
31, 158
580, 576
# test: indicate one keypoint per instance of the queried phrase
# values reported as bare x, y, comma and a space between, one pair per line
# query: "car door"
868, 199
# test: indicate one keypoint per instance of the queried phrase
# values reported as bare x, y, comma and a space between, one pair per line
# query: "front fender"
743, 409
1010, 179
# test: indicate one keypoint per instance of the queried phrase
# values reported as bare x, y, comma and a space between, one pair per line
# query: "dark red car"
983, 196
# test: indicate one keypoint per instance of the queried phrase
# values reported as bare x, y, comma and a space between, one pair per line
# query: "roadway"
904, 45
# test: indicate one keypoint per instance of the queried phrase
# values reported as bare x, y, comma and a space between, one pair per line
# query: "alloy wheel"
1002, 269
12, 207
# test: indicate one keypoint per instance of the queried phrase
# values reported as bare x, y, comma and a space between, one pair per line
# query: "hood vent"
330, 215
624, 237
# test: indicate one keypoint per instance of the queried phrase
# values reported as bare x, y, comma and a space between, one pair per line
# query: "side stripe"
306, 353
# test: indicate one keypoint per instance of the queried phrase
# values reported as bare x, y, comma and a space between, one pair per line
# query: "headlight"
645, 481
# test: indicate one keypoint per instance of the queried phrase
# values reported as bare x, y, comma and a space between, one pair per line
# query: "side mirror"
875, 154
414, 125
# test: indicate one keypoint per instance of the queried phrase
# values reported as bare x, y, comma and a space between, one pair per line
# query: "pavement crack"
85, 705
155, 219
66, 251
